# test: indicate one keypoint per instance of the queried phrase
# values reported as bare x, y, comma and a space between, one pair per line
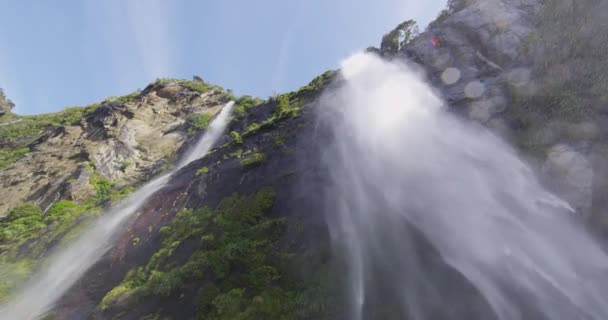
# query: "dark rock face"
291, 169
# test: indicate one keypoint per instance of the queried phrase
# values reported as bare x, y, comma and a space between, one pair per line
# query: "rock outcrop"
125, 142
486, 58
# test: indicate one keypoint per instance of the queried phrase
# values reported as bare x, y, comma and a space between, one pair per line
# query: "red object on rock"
434, 41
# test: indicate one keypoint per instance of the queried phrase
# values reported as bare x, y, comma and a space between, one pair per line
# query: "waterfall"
437, 218
65, 267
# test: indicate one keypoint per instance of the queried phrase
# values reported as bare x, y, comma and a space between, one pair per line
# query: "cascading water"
65, 267
439, 219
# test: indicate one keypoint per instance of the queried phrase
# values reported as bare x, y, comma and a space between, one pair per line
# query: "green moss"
103, 188
237, 154
317, 83
12, 274
26, 126
131, 97
202, 170
236, 137
252, 128
22, 223
198, 86
243, 104
9, 156
279, 139
121, 291
239, 267
255, 159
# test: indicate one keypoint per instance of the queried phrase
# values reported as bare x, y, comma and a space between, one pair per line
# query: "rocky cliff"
240, 233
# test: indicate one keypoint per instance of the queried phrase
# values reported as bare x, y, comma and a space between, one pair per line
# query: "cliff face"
532, 72
493, 61
125, 141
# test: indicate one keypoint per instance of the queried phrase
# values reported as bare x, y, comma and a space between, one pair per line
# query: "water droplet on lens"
450, 76
474, 89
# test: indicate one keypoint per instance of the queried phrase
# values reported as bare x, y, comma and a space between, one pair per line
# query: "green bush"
196, 122
317, 83
236, 137
252, 128
23, 222
238, 251
253, 160
279, 139
243, 104
202, 170
103, 188
198, 86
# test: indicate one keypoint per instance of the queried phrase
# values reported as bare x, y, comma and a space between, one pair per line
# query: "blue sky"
56, 54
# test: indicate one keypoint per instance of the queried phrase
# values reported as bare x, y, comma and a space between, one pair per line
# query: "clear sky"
55, 54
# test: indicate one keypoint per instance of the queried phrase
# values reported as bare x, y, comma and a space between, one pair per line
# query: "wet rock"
570, 174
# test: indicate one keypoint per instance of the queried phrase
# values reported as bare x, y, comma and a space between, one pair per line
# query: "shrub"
279, 140
198, 86
196, 122
236, 137
126, 98
253, 160
202, 171
103, 188
243, 104
252, 128
21, 223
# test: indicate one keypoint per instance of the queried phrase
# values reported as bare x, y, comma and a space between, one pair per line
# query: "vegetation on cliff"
238, 271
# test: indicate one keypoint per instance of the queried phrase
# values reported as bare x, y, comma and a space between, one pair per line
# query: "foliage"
198, 86
202, 170
238, 256
243, 104
196, 122
103, 188
126, 98
400, 36
283, 108
252, 128
21, 223
9, 155
317, 83
253, 160
25, 126
12, 274
236, 137
279, 139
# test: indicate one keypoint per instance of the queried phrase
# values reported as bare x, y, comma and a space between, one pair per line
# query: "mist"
437, 217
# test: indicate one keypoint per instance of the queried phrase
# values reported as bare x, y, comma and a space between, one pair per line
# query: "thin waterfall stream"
65, 267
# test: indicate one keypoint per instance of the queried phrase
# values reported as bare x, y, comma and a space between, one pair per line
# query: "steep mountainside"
240, 234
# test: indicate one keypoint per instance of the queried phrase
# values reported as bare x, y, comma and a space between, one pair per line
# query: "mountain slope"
241, 233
